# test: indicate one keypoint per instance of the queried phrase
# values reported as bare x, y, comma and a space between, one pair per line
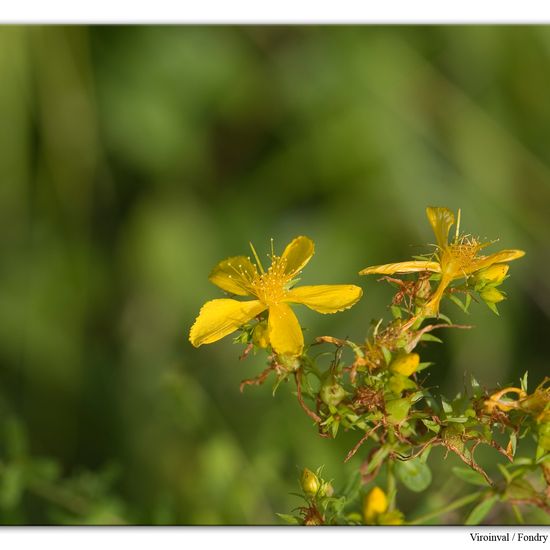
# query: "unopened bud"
391, 518
492, 295
327, 490
374, 504
405, 364
424, 290
260, 336
309, 482
494, 274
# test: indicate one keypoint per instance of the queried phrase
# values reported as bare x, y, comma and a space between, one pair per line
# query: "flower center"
460, 254
270, 287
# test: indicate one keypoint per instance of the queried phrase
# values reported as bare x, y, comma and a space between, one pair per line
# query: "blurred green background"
133, 159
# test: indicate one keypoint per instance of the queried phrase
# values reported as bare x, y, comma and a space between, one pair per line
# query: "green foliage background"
132, 159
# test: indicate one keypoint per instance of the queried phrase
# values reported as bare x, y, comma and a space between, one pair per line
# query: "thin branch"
360, 442
316, 418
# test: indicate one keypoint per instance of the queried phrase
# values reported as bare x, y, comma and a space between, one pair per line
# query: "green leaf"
353, 486
542, 458
355, 518
470, 476
493, 308
513, 443
287, 518
414, 474
456, 300
387, 355
457, 419
524, 381
15, 439
505, 473
11, 486
477, 515
424, 365
520, 489
476, 388
396, 312
445, 318
377, 458
398, 409
427, 337
431, 425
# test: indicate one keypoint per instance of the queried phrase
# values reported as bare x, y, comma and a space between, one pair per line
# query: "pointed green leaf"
477, 515
470, 476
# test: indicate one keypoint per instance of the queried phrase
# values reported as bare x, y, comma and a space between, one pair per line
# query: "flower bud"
544, 436
423, 291
374, 504
331, 392
391, 518
326, 490
309, 482
492, 295
260, 336
494, 274
405, 364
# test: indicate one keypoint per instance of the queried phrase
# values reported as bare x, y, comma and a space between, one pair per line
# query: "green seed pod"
331, 392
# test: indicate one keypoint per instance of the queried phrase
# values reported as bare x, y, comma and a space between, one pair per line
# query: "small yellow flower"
375, 503
272, 290
453, 260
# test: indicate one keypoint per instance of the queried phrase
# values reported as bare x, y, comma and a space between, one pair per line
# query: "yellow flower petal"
234, 275
218, 318
297, 254
402, 267
325, 298
285, 333
497, 258
441, 219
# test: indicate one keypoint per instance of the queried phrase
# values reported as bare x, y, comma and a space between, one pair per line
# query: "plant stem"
518, 514
449, 508
390, 487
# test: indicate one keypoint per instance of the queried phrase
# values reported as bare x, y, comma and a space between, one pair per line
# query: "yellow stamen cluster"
269, 287
464, 251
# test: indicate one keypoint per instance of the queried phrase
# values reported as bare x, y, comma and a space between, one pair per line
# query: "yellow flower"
272, 290
453, 260
375, 503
